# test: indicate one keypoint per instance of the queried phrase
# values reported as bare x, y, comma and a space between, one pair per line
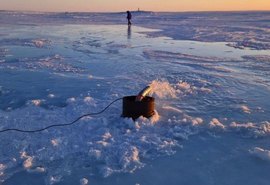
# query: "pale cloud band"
121, 5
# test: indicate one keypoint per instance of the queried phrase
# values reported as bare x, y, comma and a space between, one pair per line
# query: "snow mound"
84, 181
215, 123
245, 109
163, 89
251, 129
261, 153
40, 43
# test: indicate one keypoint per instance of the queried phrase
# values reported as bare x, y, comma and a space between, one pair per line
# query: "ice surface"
209, 74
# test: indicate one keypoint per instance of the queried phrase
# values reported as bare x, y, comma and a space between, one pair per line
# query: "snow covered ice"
210, 75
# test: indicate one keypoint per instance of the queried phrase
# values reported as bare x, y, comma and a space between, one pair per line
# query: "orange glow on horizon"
122, 5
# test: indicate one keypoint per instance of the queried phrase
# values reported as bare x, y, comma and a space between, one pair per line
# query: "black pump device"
140, 105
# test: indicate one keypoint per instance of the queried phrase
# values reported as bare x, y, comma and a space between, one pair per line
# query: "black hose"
60, 125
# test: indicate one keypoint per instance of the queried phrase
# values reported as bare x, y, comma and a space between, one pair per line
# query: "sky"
122, 5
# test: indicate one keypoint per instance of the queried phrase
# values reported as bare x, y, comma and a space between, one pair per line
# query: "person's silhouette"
129, 16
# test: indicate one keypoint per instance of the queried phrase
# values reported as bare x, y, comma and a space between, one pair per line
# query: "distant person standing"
129, 16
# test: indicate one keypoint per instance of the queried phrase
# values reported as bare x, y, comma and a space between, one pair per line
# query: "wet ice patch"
167, 56
250, 43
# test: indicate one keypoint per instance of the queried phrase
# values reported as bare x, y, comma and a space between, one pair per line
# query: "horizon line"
187, 11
